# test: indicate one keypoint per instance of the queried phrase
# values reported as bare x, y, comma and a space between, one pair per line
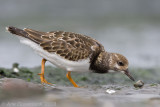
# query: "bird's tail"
30, 34
17, 31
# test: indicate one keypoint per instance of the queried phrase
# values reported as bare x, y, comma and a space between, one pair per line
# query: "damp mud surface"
23, 88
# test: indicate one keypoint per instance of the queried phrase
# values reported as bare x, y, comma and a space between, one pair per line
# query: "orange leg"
43, 80
71, 80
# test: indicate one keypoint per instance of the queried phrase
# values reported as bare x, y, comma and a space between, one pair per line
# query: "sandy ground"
36, 95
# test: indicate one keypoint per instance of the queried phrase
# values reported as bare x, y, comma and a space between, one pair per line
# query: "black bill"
127, 73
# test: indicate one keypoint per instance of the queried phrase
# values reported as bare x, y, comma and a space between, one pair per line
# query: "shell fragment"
110, 91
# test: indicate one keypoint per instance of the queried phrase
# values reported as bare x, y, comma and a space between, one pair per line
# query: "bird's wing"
69, 45
35, 36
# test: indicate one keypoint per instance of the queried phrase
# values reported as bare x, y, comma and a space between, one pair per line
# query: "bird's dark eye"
120, 63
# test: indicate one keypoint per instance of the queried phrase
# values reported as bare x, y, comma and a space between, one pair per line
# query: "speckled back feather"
69, 45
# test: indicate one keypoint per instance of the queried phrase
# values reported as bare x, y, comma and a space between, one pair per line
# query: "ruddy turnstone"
71, 52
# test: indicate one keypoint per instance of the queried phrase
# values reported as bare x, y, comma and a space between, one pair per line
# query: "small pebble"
138, 84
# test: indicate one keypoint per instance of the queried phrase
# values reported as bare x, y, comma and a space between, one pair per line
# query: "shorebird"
72, 52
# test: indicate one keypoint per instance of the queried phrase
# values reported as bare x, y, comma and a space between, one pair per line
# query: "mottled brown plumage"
69, 45
75, 47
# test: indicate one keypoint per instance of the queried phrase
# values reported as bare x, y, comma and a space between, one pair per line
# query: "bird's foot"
71, 80
43, 80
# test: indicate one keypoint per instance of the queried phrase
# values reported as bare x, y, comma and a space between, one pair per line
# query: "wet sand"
28, 92
88, 96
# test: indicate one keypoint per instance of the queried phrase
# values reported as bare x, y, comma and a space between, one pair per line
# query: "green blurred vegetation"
58, 76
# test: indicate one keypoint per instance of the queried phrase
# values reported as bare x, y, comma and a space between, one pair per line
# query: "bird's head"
118, 62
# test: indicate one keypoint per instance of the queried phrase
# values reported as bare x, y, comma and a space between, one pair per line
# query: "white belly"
76, 66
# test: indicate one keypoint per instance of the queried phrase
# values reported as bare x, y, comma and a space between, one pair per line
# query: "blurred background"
129, 27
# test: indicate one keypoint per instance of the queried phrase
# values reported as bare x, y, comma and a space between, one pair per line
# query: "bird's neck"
101, 64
